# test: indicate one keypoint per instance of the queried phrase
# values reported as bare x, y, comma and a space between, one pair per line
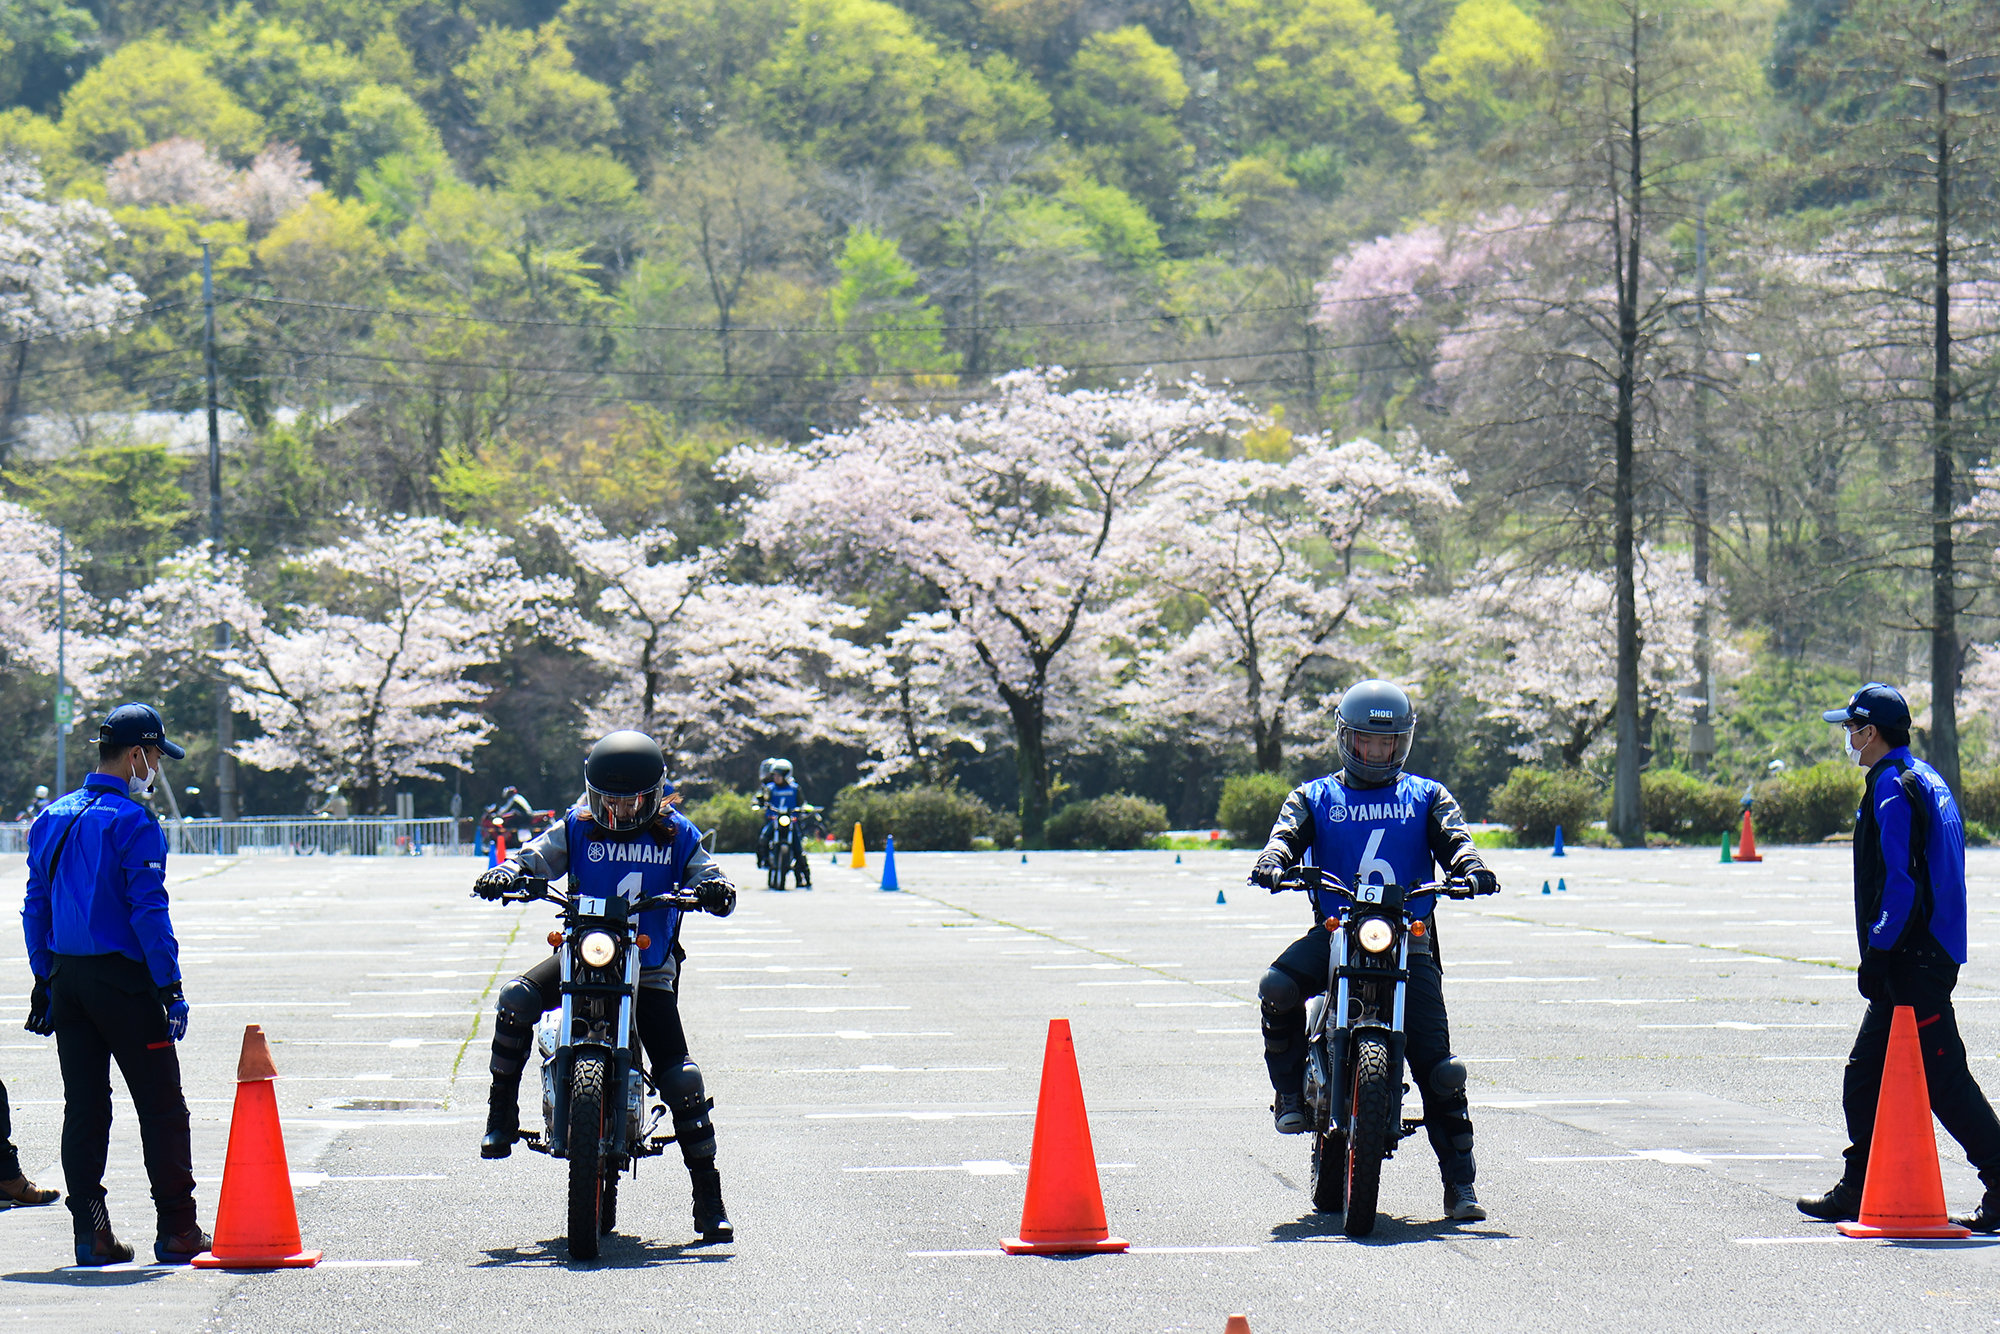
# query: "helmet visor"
622, 810
1373, 757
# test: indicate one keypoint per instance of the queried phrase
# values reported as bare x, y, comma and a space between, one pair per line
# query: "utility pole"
63, 703
1701, 741
225, 767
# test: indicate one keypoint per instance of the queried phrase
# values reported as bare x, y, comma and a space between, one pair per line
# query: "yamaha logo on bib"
596, 852
1337, 814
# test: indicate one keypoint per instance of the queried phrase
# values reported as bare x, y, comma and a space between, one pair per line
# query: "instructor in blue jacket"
1909, 912
108, 983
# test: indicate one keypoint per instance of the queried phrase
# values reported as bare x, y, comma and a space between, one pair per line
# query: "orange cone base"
210, 1260
1065, 1246
1936, 1231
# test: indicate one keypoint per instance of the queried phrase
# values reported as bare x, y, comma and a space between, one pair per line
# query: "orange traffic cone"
256, 1225
1238, 1324
1747, 850
857, 860
1064, 1212
1904, 1193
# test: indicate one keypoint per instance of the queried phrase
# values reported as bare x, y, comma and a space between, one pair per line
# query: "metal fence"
297, 836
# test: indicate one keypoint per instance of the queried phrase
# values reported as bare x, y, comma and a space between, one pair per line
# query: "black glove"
1483, 881
1872, 978
38, 1010
495, 881
1268, 871
716, 896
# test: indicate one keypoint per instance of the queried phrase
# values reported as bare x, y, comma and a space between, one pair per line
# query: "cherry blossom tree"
29, 576
1288, 560
1537, 647
184, 173
370, 679
701, 662
1015, 512
929, 694
54, 278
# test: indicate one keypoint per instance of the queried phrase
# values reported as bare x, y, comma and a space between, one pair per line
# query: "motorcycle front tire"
586, 1155
607, 1217
1371, 1133
780, 861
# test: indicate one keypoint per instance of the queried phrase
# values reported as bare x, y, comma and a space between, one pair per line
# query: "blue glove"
177, 1010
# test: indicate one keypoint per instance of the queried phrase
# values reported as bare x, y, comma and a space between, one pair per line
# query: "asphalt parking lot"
1655, 1056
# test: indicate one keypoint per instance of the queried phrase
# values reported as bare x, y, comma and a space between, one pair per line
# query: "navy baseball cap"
137, 725
1874, 704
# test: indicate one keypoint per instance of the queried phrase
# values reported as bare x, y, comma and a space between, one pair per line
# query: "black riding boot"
711, 1220
503, 1118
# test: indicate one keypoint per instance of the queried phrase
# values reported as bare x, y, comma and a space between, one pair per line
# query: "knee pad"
681, 1089
1279, 992
1462, 1141
519, 1002
1448, 1076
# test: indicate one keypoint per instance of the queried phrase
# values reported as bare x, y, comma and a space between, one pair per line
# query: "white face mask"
1853, 755
142, 786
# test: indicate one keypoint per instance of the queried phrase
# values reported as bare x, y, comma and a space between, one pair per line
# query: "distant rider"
780, 795
639, 847
1370, 822
36, 804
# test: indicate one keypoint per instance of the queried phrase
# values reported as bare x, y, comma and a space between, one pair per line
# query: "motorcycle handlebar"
1311, 878
531, 889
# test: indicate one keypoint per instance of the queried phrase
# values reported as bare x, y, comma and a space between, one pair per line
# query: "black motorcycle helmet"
1374, 708
622, 766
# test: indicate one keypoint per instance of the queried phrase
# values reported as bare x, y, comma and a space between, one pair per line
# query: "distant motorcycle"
600, 1109
519, 826
1354, 1041
786, 852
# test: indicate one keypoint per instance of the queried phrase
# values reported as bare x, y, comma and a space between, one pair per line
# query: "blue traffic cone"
889, 863
1559, 843
1177, 859
1219, 899
1562, 886
833, 860
1024, 859
1545, 886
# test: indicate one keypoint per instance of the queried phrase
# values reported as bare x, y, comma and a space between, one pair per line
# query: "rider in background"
623, 838
777, 795
1370, 822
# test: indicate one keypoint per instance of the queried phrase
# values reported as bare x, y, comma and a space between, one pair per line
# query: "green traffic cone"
1725, 849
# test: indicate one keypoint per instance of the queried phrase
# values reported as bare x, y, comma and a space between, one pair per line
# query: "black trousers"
1426, 1038
106, 1008
10, 1157
1926, 986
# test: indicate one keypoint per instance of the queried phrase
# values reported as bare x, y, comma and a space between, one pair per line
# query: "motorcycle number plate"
590, 907
1368, 893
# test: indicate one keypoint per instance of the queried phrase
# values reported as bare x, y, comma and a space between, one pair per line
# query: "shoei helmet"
1374, 709
781, 771
624, 779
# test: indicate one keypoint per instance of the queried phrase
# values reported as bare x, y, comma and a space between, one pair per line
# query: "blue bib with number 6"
1372, 836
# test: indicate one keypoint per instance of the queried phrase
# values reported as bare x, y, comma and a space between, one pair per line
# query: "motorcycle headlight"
1375, 935
597, 949
784, 822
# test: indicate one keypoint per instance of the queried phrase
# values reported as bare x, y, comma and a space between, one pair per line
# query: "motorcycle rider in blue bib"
779, 795
1370, 822
623, 839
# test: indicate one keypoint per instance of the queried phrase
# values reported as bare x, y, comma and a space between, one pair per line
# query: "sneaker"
98, 1248
1838, 1205
1987, 1217
1288, 1112
1461, 1203
177, 1248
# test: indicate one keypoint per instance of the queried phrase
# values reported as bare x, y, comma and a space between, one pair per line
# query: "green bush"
1250, 804
920, 819
1680, 805
1116, 821
1805, 805
1979, 796
1534, 801
732, 815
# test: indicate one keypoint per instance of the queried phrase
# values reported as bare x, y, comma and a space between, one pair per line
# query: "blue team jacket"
109, 892
1909, 858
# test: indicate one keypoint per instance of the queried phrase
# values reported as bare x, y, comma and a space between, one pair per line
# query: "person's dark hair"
1895, 736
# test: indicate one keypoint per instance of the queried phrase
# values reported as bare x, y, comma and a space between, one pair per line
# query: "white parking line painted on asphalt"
1786, 1241
1678, 1158
813, 1009
1139, 982
910, 1116
1802, 1058
369, 1264
848, 1035
1190, 1005
307, 1180
1740, 1026
1518, 1103
971, 1167
893, 1070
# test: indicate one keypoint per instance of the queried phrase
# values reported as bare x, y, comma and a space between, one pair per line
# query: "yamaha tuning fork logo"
1337, 814
596, 853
